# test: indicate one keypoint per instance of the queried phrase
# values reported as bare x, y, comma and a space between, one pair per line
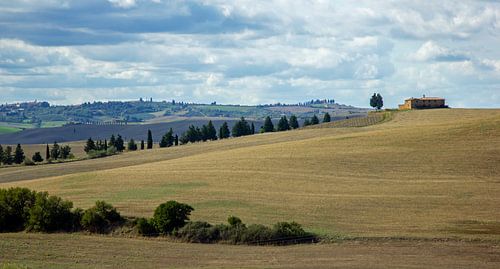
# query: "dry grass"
79, 251
423, 174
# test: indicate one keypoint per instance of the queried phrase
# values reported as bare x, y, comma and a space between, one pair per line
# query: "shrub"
50, 213
199, 232
256, 233
100, 218
146, 227
234, 221
14, 208
288, 229
28, 162
170, 216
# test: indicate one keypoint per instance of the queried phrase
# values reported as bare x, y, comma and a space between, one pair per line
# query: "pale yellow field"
432, 174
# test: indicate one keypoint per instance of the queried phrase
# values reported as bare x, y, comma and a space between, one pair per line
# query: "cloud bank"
250, 52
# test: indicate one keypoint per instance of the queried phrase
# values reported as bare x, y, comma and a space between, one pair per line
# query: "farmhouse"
423, 103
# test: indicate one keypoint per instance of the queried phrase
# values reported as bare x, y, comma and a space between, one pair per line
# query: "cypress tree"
224, 131
119, 144
268, 125
204, 133
294, 124
105, 145
90, 145
168, 139
1, 154
380, 101
132, 146
327, 117
241, 128
373, 100
253, 129
65, 152
7, 159
47, 152
283, 124
19, 154
211, 132
176, 140
142, 144
314, 120
112, 141
150, 140
37, 157
55, 152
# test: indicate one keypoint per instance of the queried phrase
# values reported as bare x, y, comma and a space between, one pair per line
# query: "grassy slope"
8, 130
423, 174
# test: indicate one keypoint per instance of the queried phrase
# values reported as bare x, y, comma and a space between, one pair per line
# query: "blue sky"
250, 52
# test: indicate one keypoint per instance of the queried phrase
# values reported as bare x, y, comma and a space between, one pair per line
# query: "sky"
250, 52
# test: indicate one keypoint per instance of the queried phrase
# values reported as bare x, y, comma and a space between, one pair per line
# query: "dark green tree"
112, 141
176, 140
119, 143
55, 151
241, 128
294, 123
65, 152
1, 154
142, 144
283, 124
90, 145
8, 159
327, 117
37, 157
307, 122
47, 152
373, 100
150, 140
314, 120
212, 133
224, 131
268, 125
170, 216
168, 139
19, 154
380, 101
252, 131
132, 146
105, 145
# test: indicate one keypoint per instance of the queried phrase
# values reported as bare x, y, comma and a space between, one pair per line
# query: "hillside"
423, 175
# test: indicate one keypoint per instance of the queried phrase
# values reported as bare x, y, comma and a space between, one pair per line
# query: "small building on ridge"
423, 103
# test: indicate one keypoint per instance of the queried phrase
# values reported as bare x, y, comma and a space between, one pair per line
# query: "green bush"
146, 227
14, 208
199, 232
288, 229
50, 213
256, 233
170, 216
100, 218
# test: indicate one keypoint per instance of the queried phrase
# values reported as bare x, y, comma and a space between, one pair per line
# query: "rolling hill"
423, 176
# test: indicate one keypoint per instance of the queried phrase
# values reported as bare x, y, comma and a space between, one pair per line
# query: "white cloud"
431, 51
124, 3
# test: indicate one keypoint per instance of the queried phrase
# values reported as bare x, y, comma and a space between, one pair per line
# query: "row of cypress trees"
18, 157
285, 124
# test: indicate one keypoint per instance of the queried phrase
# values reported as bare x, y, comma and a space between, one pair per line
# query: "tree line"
57, 152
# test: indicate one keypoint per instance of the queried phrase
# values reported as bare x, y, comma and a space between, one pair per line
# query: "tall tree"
142, 144
268, 125
176, 140
380, 101
241, 128
112, 141
150, 140
294, 123
327, 117
224, 131
90, 145
1, 154
65, 152
211, 132
8, 159
373, 100
252, 129
132, 146
314, 120
119, 143
105, 145
283, 124
168, 139
55, 151
19, 154
37, 157
47, 152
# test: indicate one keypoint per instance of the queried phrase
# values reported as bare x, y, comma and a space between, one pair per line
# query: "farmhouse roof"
426, 98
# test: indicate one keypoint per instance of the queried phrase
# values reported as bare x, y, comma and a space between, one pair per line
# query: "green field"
423, 177
8, 130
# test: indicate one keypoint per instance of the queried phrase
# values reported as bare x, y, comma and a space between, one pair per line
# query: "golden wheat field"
423, 175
